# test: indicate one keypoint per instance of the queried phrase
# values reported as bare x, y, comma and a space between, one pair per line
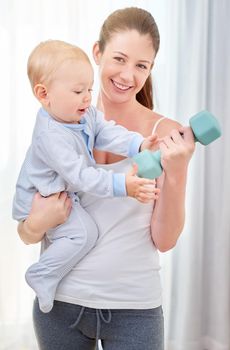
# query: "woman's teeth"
121, 86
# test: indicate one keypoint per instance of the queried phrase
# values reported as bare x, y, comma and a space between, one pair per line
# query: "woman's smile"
121, 86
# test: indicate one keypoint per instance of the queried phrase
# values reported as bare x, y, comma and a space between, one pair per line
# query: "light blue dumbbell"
206, 129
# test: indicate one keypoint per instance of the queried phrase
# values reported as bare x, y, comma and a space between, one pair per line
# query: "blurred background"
192, 73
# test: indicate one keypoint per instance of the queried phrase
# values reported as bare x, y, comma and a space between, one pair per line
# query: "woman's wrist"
29, 232
177, 179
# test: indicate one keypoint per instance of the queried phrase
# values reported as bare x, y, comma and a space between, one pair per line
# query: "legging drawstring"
79, 318
99, 317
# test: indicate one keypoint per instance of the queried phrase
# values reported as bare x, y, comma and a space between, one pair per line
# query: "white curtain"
191, 74
196, 274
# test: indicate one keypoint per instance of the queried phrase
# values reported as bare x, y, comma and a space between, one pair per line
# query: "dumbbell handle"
205, 129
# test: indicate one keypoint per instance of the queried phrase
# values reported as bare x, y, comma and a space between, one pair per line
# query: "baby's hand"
148, 193
151, 143
144, 190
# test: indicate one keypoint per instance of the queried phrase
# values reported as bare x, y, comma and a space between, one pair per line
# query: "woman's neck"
132, 115
117, 111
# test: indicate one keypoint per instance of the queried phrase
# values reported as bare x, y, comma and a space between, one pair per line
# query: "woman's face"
124, 65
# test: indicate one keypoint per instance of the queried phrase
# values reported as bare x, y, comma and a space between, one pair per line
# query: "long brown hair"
127, 19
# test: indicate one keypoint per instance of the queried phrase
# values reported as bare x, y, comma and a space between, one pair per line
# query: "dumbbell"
206, 129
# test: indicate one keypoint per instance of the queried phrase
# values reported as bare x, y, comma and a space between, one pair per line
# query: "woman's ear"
96, 53
153, 63
40, 91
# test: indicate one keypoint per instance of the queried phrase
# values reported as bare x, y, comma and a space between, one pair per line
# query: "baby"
60, 158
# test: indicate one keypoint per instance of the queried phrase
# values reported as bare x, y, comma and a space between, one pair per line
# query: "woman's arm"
45, 213
169, 212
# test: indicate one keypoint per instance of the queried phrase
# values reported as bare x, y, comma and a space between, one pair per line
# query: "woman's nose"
127, 74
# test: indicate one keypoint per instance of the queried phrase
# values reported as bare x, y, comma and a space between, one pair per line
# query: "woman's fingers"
62, 196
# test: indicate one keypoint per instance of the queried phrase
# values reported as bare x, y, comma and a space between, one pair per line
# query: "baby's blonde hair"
47, 57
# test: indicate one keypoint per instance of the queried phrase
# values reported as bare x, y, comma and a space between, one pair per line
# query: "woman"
114, 293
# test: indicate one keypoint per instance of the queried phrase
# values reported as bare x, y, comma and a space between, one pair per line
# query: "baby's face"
69, 93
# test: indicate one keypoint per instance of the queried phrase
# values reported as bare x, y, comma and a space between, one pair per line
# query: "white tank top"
122, 270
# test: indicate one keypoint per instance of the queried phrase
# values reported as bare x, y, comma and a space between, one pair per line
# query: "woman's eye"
119, 59
142, 66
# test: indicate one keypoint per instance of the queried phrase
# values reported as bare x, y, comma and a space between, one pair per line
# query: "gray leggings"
73, 327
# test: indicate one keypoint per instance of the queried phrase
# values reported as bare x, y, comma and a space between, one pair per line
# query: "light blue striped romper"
60, 158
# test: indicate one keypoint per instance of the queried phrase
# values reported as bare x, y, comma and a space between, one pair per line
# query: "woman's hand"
176, 151
45, 213
150, 143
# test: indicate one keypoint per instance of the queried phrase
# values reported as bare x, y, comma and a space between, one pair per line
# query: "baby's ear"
40, 91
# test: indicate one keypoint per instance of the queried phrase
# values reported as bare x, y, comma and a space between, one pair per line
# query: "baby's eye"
90, 90
77, 92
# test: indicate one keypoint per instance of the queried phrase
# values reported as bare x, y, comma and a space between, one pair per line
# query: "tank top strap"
156, 124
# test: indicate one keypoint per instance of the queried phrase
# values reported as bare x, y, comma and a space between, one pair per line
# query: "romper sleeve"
114, 138
59, 154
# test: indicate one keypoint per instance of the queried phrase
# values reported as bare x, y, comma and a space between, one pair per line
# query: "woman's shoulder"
152, 122
155, 116
163, 124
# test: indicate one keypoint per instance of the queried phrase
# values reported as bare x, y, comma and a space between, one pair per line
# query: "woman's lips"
120, 86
